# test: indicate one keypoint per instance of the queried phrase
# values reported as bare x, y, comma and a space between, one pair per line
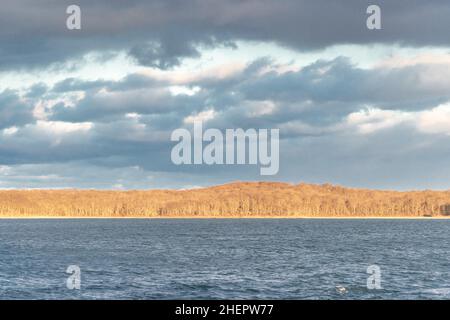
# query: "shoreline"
227, 217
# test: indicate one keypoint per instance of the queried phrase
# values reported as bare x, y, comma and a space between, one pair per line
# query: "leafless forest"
230, 200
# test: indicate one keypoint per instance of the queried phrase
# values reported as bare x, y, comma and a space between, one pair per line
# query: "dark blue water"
219, 259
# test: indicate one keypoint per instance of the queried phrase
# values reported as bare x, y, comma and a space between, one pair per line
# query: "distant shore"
240, 200
225, 217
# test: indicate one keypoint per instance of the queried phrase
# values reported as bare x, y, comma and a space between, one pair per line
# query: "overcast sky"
94, 108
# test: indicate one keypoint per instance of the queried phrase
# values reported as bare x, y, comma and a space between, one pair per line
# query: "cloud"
399, 61
339, 80
203, 116
436, 120
371, 120
105, 105
163, 55
14, 111
161, 33
384, 125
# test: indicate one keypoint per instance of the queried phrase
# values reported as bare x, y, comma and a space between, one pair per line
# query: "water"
224, 259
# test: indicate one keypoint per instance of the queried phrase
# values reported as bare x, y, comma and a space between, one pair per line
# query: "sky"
95, 108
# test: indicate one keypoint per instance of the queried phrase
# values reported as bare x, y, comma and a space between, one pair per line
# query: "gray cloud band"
160, 33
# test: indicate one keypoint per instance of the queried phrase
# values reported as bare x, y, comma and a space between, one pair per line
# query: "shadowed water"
224, 259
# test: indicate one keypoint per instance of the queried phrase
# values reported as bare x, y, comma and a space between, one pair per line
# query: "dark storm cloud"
162, 32
162, 55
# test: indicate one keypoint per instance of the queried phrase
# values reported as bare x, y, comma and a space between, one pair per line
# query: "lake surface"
224, 259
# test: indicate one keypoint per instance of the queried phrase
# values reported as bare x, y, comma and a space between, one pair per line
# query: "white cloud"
133, 115
260, 108
432, 121
10, 131
201, 116
61, 128
177, 90
118, 186
5, 170
422, 58
435, 121
371, 120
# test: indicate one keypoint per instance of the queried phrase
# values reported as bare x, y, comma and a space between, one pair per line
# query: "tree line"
257, 199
